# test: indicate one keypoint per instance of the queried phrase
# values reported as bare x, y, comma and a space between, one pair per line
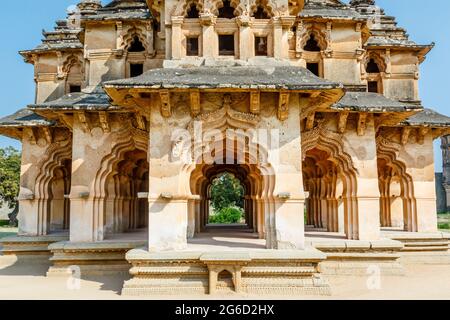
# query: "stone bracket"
255, 102
166, 109
362, 124
283, 106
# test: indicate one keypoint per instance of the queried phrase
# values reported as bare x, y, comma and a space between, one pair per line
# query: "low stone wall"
93, 258
25, 245
265, 272
423, 248
351, 257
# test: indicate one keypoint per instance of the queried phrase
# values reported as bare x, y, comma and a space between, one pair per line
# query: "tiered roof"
384, 30
120, 10
329, 9
64, 37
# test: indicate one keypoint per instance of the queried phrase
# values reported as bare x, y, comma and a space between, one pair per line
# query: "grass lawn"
444, 221
7, 231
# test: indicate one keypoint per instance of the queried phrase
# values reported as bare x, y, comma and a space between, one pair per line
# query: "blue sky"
22, 25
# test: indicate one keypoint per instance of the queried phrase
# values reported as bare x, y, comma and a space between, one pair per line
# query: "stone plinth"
27, 245
265, 272
94, 258
428, 248
349, 257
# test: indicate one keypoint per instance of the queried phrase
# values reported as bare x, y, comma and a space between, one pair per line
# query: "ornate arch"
54, 158
182, 7
389, 152
126, 140
215, 5
378, 59
71, 61
267, 5
331, 142
132, 33
319, 36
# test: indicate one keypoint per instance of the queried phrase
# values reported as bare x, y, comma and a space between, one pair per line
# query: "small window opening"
312, 44
313, 67
226, 45
227, 11
372, 86
372, 67
74, 88
136, 69
260, 13
193, 12
261, 46
192, 46
136, 45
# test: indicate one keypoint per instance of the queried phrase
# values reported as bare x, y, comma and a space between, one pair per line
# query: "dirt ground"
26, 280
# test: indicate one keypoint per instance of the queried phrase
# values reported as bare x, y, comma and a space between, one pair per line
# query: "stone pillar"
168, 206
289, 197
209, 37
245, 38
360, 144
422, 173
177, 38
277, 38
191, 219
281, 27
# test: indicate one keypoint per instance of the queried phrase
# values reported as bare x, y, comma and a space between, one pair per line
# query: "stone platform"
260, 272
427, 248
354, 257
29, 245
95, 258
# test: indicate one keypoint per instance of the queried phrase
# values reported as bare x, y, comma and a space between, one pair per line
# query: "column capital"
244, 21
177, 20
207, 19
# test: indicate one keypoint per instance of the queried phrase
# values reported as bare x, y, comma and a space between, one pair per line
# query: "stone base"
265, 272
94, 258
350, 257
423, 248
28, 245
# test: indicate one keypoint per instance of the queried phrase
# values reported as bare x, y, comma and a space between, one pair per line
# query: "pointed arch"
262, 9
372, 60
331, 143
314, 34
388, 152
127, 140
56, 156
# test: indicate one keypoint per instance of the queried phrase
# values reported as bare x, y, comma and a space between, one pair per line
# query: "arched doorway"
59, 204
329, 179
126, 210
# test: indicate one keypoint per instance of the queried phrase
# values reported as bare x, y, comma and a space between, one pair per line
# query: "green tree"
226, 192
9, 178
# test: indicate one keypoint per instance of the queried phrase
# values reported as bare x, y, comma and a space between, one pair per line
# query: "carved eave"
12, 132
141, 99
421, 51
319, 101
389, 119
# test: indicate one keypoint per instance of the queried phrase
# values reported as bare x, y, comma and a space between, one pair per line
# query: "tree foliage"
9, 176
226, 191
227, 215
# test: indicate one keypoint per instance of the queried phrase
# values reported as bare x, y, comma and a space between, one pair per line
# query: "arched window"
192, 12
136, 45
312, 44
372, 66
227, 11
260, 13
